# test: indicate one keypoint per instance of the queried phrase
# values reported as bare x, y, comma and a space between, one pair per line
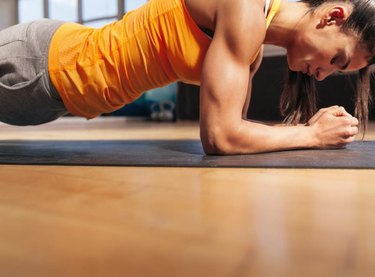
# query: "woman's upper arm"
239, 33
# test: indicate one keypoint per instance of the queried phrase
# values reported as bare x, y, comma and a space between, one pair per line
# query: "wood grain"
124, 221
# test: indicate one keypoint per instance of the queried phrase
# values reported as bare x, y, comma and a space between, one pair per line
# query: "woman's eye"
333, 61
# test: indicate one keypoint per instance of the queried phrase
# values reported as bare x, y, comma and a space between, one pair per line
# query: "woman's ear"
335, 15
338, 13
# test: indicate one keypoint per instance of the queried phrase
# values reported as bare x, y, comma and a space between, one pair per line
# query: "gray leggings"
27, 96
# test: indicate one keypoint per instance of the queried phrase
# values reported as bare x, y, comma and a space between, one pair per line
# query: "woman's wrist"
311, 138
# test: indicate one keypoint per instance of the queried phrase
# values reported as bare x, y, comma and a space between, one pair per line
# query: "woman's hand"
322, 111
333, 127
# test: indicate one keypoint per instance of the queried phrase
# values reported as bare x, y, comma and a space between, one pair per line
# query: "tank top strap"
273, 10
269, 16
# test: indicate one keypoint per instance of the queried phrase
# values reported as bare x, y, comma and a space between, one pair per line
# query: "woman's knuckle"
347, 120
347, 133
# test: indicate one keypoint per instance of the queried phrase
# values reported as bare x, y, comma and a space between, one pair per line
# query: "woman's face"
321, 48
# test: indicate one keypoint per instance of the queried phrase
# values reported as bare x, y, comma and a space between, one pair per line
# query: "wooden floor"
123, 221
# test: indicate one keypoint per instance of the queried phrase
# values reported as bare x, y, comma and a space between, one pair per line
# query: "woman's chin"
291, 68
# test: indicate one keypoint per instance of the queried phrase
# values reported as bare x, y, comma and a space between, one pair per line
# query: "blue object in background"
142, 106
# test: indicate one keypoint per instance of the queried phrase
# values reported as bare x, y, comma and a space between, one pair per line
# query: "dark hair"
298, 100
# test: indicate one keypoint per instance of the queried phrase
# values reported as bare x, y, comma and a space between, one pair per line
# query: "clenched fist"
333, 127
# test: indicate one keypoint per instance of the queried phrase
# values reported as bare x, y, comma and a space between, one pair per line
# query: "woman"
49, 68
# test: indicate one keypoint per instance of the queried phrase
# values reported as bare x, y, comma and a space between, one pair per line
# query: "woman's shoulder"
209, 13
241, 19
237, 25
242, 23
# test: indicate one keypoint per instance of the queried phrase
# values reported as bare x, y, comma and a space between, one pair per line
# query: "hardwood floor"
126, 221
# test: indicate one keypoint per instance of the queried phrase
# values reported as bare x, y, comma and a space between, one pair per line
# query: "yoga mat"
176, 153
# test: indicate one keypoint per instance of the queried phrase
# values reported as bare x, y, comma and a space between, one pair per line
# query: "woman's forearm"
252, 137
329, 128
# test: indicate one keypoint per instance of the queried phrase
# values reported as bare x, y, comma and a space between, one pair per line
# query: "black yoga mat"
176, 153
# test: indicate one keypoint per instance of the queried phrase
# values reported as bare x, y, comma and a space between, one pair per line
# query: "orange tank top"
100, 70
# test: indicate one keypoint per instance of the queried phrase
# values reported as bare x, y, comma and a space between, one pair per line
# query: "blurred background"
267, 85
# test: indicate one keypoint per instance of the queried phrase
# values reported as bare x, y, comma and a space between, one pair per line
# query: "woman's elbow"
216, 143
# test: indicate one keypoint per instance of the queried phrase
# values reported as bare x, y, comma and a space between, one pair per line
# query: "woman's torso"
100, 70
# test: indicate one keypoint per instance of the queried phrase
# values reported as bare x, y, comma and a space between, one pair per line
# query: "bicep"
224, 84
225, 74
223, 89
